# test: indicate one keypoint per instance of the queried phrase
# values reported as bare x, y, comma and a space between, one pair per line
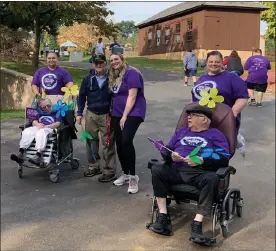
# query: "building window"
177, 32
167, 35
189, 30
158, 37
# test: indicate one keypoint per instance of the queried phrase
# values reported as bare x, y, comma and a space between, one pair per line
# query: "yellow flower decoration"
210, 98
43, 94
70, 91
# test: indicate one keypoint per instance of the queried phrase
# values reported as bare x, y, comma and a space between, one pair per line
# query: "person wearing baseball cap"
179, 168
94, 94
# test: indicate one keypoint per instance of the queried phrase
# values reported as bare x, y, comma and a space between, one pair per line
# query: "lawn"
77, 74
12, 114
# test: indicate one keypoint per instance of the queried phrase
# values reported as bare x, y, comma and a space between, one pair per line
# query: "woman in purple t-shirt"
128, 111
51, 78
229, 85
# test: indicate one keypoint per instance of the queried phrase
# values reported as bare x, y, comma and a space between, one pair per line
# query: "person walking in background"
234, 63
128, 112
257, 66
114, 44
100, 47
95, 93
47, 49
190, 67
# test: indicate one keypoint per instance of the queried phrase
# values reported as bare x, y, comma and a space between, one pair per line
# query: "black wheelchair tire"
239, 211
54, 177
74, 163
225, 231
20, 173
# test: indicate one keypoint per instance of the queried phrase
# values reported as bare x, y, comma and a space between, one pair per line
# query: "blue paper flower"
213, 153
60, 109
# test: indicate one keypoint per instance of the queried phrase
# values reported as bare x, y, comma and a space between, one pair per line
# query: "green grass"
77, 74
12, 114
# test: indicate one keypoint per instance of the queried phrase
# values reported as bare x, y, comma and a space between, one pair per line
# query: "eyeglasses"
195, 115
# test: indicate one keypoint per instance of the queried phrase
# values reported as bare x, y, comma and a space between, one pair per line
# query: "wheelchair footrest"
203, 242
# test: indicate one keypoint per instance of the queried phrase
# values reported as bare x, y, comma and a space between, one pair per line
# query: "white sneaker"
123, 179
133, 184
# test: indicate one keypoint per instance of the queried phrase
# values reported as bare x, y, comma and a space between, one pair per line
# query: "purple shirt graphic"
131, 79
48, 118
229, 85
257, 67
184, 141
51, 80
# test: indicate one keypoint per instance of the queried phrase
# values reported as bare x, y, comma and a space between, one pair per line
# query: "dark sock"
38, 154
186, 83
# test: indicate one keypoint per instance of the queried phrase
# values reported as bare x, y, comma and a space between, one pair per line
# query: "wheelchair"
228, 202
53, 155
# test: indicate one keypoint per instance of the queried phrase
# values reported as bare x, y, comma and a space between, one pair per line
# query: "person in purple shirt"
180, 169
257, 66
40, 129
51, 78
128, 112
229, 85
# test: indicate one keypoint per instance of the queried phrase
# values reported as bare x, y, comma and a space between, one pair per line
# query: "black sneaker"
162, 225
35, 160
17, 157
107, 177
252, 102
92, 172
196, 234
259, 105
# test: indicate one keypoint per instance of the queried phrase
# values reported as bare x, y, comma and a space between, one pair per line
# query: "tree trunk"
37, 32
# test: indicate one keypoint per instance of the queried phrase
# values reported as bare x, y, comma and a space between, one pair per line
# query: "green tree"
269, 16
127, 28
48, 16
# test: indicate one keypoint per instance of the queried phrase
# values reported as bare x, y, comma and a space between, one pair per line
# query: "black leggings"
124, 142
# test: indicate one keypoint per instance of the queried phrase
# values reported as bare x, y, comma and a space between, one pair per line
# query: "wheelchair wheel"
74, 163
20, 173
54, 173
239, 207
54, 177
225, 231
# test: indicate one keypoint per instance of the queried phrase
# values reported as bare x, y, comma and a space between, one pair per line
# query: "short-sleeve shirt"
257, 67
229, 85
51, 80
48, 118
99, 48
185, 141
132, 79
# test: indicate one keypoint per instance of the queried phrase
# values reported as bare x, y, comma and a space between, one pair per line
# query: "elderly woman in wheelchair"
201, 175
40, 129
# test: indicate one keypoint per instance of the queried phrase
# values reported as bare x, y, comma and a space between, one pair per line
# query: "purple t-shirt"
51, 80
229, 85
48, 118
132, 79
185, 141
257, 67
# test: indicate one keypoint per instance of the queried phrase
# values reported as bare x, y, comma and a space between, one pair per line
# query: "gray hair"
47, 101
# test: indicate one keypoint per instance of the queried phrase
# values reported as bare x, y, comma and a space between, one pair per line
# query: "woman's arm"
53, 126
35, 90
131, 99
239, 105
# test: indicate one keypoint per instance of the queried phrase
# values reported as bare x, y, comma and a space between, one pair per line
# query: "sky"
140, 11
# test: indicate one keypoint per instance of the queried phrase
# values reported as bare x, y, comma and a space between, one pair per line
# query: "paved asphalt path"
82, 214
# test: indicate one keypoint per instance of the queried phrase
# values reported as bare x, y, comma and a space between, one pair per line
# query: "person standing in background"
114, 44
190, 67
234, 63
257, 67
47, 49
100, 47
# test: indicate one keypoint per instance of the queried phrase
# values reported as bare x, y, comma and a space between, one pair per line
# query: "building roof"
194, 6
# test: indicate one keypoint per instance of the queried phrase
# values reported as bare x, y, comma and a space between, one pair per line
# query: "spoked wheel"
154, 212
75, 164
216, 215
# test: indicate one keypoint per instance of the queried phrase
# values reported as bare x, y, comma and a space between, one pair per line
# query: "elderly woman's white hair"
45, 101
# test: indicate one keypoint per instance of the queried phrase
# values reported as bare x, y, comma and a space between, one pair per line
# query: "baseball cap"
201, 110
100, 57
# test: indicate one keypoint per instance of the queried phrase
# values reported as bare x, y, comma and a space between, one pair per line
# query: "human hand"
176, 157
40, 125
122, 122
79, 119
190, 162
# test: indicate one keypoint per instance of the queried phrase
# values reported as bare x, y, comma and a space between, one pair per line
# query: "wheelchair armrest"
28, 124
223, 172
153, 162
61, 128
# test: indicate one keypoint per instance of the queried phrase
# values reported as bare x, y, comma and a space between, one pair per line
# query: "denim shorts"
190, 73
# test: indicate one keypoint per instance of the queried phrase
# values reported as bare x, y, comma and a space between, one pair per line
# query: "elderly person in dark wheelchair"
39, 146
196, 170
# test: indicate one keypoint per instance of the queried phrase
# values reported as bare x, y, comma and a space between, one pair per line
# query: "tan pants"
96, 125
